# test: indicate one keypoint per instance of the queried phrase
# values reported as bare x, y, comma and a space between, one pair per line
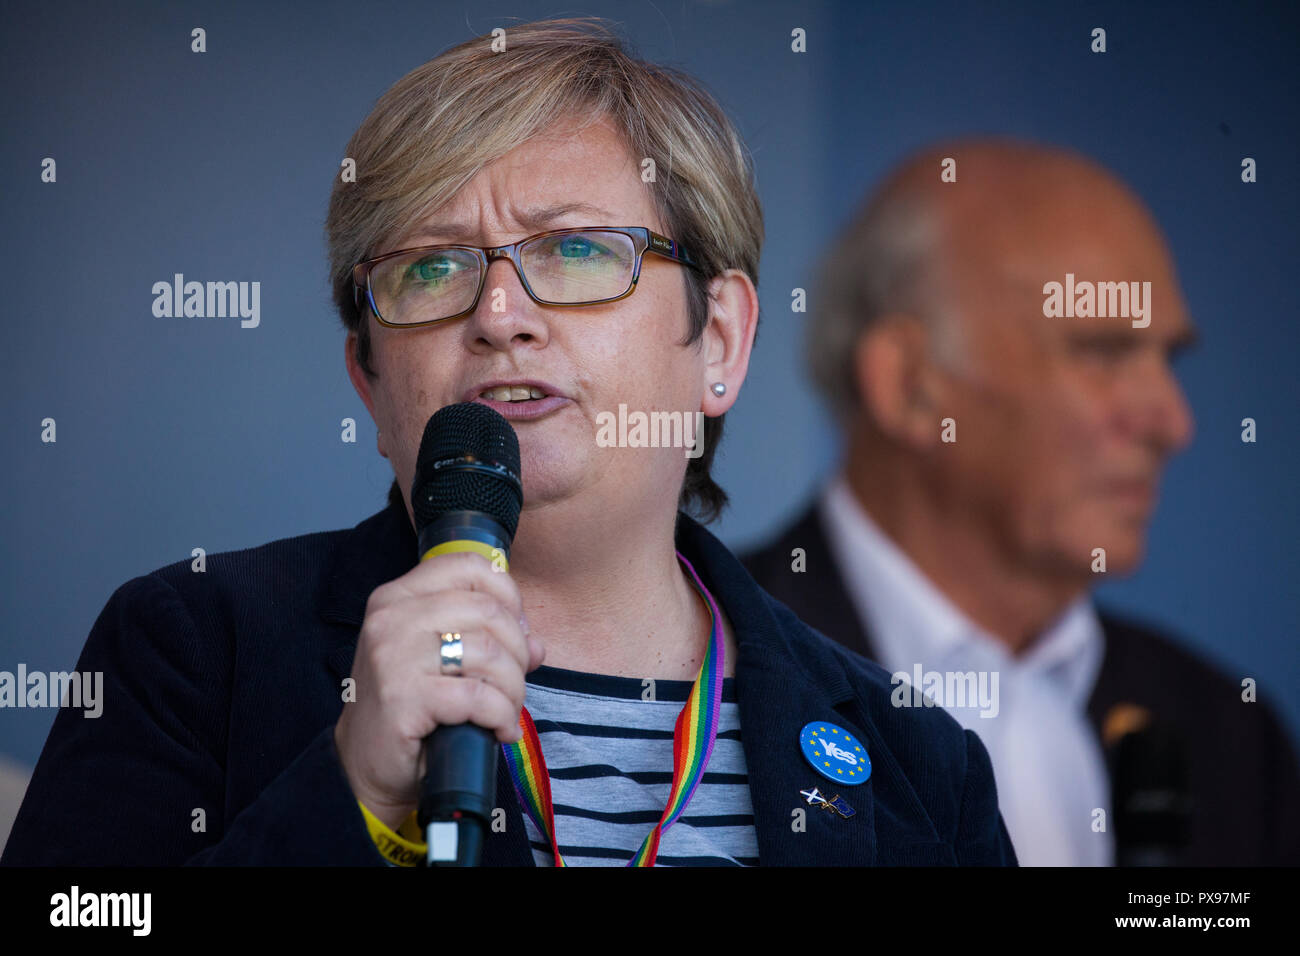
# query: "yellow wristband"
395, 848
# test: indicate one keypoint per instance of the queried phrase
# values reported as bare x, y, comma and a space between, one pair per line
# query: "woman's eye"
579, 247
432, 269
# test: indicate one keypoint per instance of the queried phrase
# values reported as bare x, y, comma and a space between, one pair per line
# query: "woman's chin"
547, 489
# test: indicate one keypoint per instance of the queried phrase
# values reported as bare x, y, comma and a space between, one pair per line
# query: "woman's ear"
728, 339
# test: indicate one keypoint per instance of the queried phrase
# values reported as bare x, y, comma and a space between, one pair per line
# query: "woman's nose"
505, 312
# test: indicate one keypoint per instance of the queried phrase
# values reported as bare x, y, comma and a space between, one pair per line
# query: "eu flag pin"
835, 753
840, 806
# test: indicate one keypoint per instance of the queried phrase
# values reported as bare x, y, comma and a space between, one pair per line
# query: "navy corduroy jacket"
222, 688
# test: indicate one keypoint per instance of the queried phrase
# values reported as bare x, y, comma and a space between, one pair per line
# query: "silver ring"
452, 653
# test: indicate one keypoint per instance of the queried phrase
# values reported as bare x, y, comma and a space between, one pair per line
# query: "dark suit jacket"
1242, 768
221, 690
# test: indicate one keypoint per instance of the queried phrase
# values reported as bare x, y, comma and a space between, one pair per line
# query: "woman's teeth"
513, 393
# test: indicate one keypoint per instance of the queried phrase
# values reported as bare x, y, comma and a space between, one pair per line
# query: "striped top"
608, 744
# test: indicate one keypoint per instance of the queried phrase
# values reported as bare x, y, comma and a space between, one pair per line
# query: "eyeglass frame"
643, 240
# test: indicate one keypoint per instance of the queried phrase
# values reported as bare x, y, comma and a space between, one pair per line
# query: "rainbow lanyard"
693, 736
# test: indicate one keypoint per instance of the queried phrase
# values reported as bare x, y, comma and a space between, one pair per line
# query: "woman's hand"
401, 694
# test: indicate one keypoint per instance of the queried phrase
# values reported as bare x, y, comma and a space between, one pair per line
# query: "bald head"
1019, 215
935, 312
953, 252
1006, 191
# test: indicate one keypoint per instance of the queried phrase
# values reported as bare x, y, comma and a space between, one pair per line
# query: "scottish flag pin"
835, 753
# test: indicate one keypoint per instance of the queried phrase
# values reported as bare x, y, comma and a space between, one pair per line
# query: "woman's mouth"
520, 402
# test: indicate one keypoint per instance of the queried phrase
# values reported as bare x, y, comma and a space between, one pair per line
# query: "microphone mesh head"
468, 461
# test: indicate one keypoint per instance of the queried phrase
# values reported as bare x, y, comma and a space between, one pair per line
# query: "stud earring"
719, 389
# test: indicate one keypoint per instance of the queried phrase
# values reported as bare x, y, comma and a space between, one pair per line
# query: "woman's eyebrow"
534, 220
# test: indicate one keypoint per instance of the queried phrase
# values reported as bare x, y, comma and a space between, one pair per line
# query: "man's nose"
1166, 417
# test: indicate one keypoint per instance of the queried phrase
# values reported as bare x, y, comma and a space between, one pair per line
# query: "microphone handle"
456, 797
460, 776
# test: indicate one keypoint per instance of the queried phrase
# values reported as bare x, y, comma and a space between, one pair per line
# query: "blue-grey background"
177, 433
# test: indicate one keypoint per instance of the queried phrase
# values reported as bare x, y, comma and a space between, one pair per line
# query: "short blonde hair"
440, 124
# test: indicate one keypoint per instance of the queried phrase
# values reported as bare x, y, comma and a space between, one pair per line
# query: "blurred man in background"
994, 331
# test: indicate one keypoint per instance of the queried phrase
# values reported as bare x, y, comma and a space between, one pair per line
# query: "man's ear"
899, 387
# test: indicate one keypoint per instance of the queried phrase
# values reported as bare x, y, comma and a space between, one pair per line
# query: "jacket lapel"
775, 704
1106, 690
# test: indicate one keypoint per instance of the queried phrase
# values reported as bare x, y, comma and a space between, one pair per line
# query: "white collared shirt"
1029, 711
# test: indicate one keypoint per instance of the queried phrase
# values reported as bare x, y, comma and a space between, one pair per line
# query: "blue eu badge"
835, 753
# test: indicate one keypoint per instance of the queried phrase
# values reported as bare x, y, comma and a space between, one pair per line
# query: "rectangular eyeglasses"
563, 267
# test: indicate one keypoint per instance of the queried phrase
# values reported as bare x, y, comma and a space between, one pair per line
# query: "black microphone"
1151, 799
466, 496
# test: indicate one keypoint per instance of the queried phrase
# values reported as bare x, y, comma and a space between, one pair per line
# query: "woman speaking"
540, 223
